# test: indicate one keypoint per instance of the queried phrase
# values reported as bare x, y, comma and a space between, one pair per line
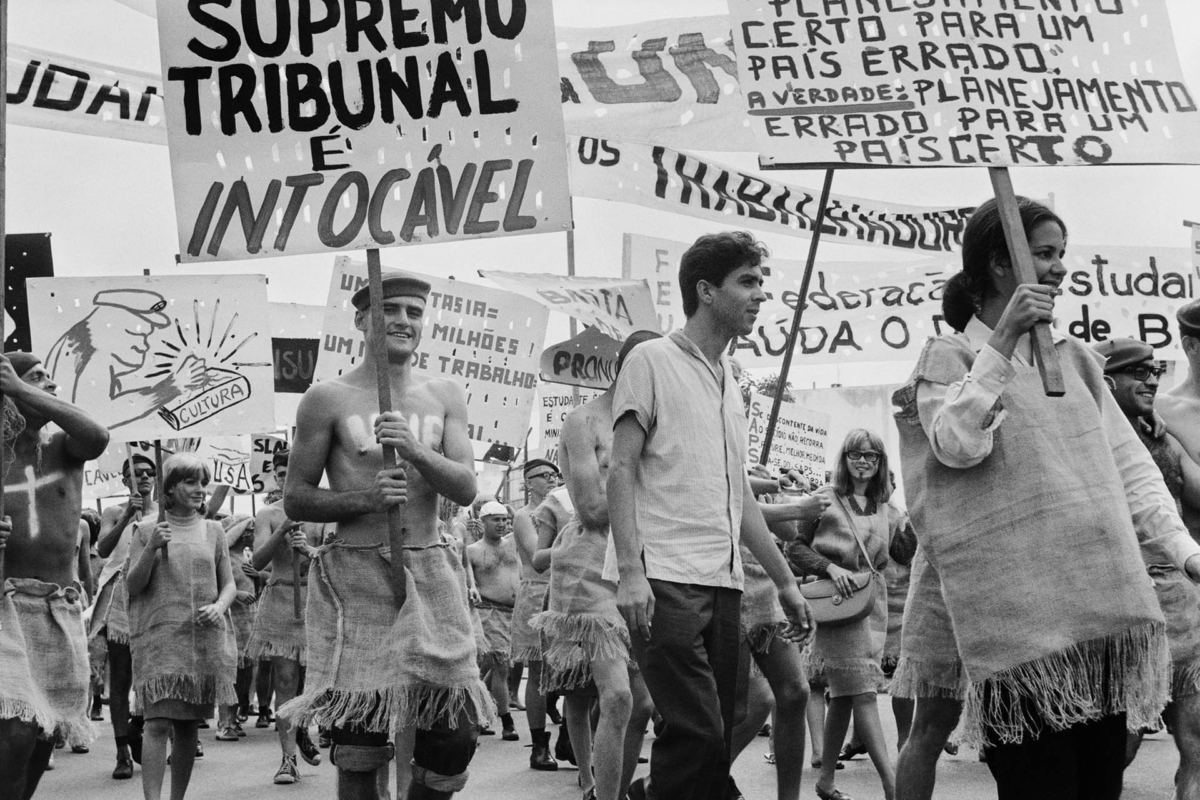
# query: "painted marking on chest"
362, 431
29, 489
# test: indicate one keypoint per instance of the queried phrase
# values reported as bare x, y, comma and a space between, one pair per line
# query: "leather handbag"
826, 602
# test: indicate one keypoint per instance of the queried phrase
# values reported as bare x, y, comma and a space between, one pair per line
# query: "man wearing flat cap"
98, 359
372, 668
44, 676
1180, 405
1132, 374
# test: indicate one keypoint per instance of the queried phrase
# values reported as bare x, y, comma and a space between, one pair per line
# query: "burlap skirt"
581, 623
762, 615
496, 625
849, 657
1179, 599
111, 614
370, 665
43, 658
241, 619
897, 576
929, 665
531, 598
277, 632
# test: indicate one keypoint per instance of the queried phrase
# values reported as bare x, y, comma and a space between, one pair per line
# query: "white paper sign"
930, 84
297, 130
616, 307
800, 440
156, 357
486, 340
554, 404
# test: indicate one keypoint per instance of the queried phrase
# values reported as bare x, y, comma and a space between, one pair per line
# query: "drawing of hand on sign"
104, 362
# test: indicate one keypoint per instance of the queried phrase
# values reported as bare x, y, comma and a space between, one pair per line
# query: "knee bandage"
359, 758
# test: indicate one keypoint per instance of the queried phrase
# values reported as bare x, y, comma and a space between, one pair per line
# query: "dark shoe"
552, 713
226, 734
950, 748
637, 790
264, 719
540, 758
563, 751
324, 740
124, 770
732, 792
849, 751
765, 730
237, 730
287, 771
308, 750
203, 724
199, 750
95, 714
80, 748
508, 733
486, 731
136, 726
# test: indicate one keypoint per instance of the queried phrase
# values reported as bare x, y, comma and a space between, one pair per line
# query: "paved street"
243, 770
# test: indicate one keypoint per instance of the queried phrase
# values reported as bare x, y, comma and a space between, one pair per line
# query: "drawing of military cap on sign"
153, 356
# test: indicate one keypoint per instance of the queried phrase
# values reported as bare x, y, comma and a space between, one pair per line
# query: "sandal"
849, 751
831, 794
816, 764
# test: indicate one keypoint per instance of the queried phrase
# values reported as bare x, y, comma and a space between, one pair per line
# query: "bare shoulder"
112, 513
449, 392
322, 400
272, 515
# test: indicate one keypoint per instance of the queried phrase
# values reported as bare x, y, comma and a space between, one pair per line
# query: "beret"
22, 362
1122, 353
395, 284
534, 463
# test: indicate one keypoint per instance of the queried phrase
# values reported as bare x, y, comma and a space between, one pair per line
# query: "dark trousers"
1083, 762
691, 665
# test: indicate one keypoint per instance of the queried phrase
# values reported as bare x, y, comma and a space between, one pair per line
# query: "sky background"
108, 203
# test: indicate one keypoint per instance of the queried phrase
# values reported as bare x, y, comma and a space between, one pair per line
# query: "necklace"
862, 512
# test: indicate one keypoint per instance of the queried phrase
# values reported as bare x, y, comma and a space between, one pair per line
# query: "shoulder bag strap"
854, 529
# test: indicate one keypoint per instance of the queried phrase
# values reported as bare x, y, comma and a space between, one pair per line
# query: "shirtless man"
1179, 406
497, 573
541, 477
43, 649
110, 618
373, 668
278, 633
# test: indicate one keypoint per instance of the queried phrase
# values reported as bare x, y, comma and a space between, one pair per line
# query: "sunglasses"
1141, 372
868, 456
144, 473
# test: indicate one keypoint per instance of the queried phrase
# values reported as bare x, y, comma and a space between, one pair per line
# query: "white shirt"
959, 420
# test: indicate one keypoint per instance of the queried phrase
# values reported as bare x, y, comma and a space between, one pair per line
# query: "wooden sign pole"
1022, 262
297, 611
158, 485
378, 339
822, 207
3, 255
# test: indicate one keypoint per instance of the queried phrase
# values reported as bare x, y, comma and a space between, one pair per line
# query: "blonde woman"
180, 588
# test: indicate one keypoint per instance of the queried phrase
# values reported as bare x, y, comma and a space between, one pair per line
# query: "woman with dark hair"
856, 534
1030, 509
180, 587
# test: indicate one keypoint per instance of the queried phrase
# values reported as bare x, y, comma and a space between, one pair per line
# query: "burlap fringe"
76, 729
914, 678
761, 637
493, 659
199, 689
563, 677
259, 649
1129, 671
116, 637
600, 638
384, 710
1185, 679
527, 654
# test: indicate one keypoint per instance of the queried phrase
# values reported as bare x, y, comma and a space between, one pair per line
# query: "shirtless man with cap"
1179, 406
372, 668
497, 574
43, 649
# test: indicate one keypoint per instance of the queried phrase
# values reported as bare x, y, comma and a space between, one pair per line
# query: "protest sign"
295, 336
800, 440
671, 81
155, 357
27, 256
615, 307
683, 183
851, 407
64, 93
323, 131
884, 311
102, 477
554, 403
485, 340
924, 84
588, 359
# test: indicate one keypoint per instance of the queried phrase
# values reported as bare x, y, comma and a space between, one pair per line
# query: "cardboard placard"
800, 441
616, 307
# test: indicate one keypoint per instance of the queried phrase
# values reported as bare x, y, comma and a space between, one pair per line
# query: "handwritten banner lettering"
932, 84
616, 307
298, 131
555, 402
800, 440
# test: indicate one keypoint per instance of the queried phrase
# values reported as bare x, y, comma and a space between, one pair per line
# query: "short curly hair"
711, 258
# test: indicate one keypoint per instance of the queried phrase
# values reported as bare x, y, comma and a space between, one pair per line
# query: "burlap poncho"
1037, 555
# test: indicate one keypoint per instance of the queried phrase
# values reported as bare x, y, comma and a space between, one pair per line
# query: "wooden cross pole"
777, 402
1022, 262
378, 337
158, 485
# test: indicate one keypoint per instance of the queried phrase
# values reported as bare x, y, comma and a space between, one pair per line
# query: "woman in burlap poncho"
856, 526
180, 586
1030, 509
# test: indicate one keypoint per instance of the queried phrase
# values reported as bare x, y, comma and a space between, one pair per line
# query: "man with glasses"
1132, 374
110, 618
497, 572
541, 477
44, 676
1180, 405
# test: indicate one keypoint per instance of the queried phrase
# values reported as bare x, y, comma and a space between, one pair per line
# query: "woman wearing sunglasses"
852, 545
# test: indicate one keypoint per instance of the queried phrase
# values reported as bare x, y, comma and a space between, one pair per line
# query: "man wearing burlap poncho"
1030, 509
43, 647
373, 669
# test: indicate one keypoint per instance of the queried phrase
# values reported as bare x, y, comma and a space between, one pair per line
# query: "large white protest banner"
155, 357
614, 306
884, 311
298, 130
64, 93
554, 403
671, 81
658, 177
932, 84
485, 340
800, 440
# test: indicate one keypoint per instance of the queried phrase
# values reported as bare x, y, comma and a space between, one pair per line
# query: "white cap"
493, 509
